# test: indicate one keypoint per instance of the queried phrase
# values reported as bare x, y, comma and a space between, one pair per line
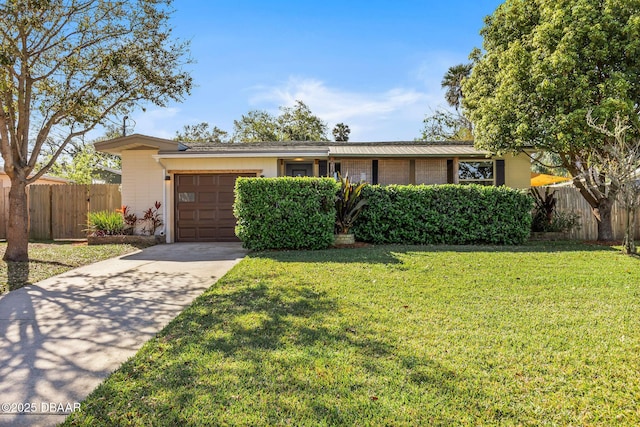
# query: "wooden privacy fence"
60, 211
570, 200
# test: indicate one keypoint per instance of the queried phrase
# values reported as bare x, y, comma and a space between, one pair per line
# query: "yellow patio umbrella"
540, 179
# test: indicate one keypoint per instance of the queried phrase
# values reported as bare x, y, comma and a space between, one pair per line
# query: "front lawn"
52, 258
542, 334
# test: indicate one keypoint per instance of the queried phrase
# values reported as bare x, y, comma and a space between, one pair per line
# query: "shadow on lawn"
386, 254
242, 344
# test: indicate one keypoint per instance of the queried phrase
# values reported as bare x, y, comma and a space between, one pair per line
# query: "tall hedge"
285, 213
444, 214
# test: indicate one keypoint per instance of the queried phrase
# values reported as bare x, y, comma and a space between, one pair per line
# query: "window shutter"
323, 169
374, 172
499, 172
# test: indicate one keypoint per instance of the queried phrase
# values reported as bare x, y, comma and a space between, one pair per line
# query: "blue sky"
374, 65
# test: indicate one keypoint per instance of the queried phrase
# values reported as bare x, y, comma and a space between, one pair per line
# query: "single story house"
195, 181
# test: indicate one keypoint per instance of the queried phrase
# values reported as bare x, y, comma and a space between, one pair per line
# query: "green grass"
542, 334
51, 258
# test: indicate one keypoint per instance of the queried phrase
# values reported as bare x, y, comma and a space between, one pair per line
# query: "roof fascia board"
209, 154
429, 156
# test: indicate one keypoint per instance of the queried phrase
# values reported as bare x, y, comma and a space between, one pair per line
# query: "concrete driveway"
61, 337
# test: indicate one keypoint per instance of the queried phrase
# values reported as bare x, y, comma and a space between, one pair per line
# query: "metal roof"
333, 149
408, 150
288, 149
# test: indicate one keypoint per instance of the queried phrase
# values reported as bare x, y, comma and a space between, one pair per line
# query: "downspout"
163, 231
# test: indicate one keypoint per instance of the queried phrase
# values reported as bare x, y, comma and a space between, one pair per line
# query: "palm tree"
452, 80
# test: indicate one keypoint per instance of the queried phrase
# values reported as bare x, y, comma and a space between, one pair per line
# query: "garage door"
204, 207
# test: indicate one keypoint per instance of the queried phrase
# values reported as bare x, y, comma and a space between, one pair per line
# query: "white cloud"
155, 122
433, 67
395, 114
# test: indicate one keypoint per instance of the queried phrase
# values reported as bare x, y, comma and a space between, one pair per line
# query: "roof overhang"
409, 150
138, 142
244, 151
280, 154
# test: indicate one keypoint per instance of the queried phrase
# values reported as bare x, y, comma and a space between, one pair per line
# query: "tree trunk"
602, 212
18, 230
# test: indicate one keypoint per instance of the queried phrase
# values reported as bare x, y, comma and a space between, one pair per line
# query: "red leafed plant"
153, 219
130, 219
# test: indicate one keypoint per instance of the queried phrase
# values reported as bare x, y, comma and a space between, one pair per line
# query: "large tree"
202, 132
298, 123
544, 65
620, 163
255, 126
295, 123
67, 65
445, 125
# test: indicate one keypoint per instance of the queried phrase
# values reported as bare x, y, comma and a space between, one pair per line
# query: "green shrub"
444, 214
285, 213
105, 223
546, 216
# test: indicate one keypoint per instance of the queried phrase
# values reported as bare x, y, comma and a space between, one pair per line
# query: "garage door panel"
187, 180
207, 233
206, 215
227, 180
226, 199
187, 233
208, 197
207, 180
227, 233
226, 215
186, 215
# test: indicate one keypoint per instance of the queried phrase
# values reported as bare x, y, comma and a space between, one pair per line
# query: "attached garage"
204, 207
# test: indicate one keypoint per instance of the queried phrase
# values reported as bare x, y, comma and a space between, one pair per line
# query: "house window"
475, 172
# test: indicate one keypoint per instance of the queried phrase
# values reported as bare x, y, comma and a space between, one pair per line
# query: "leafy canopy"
545, 64
68, 65
202, 132
295, 123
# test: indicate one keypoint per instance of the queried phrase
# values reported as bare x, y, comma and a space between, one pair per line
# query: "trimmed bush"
444, 214
285, 213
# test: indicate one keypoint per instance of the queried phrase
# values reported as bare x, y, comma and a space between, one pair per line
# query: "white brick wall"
142, 180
